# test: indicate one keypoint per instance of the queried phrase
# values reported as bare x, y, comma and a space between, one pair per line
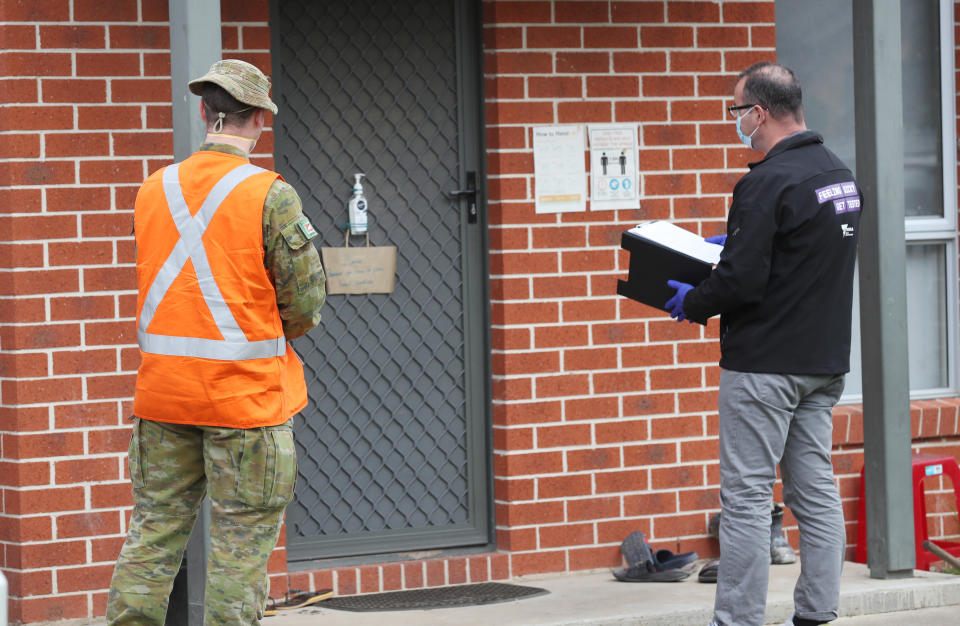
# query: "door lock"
470, 193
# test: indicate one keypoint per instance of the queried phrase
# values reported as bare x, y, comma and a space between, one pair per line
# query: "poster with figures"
613, 166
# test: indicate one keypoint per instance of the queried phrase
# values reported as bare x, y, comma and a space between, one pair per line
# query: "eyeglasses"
734, 110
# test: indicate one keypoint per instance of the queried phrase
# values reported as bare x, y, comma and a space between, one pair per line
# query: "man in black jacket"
783, 290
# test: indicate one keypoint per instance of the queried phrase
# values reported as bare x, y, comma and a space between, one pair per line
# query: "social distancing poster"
613, 166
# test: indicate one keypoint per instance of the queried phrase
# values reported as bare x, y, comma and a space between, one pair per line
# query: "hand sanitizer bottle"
358, 208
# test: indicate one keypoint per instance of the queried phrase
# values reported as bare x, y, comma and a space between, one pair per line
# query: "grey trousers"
767, 419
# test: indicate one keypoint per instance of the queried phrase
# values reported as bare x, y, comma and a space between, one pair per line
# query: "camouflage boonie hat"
242, 80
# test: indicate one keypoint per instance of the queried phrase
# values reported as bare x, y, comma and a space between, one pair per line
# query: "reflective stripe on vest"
234, 346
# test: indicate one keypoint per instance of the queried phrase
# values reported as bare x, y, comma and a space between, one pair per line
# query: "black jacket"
783, 287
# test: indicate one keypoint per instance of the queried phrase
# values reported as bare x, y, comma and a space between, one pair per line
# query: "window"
814, 38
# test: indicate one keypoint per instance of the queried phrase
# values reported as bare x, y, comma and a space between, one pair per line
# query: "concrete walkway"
596, 599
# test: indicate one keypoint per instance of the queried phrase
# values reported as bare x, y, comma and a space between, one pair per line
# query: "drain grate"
435, 598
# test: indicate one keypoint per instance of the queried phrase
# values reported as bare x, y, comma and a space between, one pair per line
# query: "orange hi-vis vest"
211, 340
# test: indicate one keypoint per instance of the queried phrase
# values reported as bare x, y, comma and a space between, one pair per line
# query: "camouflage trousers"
249, 476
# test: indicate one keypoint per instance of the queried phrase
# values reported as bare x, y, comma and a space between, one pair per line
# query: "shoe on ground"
665, 560
708, 573
780, 551
646, 573
645, 565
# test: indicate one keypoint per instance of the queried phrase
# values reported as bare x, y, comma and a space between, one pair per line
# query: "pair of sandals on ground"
655, 566
644, 564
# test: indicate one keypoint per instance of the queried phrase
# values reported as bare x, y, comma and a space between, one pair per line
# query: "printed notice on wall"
560, 177
613, 166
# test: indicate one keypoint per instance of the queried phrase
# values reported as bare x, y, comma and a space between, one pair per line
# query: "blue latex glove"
720, 239
675, 304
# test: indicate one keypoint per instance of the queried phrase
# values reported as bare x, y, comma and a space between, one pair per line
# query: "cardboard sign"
370, 269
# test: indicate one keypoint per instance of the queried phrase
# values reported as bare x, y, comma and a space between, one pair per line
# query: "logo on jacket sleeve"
844, 196
847, 230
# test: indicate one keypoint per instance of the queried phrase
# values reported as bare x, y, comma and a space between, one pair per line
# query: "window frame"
943, 230
935, 226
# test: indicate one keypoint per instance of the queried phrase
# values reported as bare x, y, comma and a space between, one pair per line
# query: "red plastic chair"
924, 465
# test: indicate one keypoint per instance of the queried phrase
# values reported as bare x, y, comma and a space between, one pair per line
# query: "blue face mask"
746, 139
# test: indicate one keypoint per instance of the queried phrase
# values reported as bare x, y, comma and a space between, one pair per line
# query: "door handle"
470, 193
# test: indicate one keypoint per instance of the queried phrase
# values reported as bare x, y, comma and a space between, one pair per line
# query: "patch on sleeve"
306, 228
845, 196
293, 235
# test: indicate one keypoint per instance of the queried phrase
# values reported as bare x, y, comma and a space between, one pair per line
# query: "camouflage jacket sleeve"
292, 260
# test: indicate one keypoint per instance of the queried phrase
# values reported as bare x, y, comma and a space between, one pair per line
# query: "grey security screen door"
393, 445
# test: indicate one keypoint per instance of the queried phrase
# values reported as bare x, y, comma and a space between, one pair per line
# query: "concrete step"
596, 599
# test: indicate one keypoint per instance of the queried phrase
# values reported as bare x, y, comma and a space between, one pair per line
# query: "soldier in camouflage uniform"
248, 473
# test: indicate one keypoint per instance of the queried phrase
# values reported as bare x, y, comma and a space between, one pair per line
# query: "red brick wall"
604, 410
85, 89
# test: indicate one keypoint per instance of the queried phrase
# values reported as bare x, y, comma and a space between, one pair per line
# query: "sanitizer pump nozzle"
358, 208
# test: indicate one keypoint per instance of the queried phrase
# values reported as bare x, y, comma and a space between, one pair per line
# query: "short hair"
217, 100
775, 87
